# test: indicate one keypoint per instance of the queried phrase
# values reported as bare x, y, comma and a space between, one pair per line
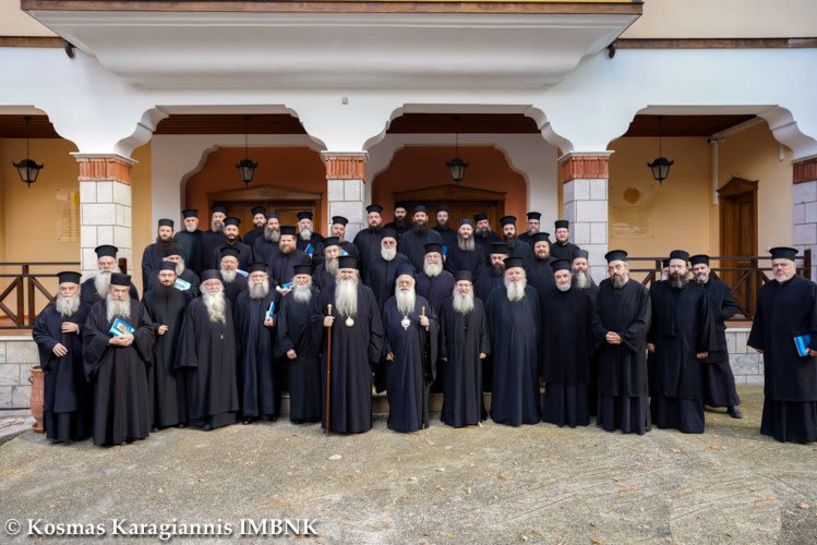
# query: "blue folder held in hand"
120, 327
801, 343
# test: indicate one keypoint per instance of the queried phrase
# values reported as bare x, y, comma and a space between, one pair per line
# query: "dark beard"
420, 228
165, 291
482, 233
159, 247
679, 283
498, 270
401, 222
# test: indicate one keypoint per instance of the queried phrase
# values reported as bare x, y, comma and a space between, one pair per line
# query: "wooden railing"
743, 274
26, 288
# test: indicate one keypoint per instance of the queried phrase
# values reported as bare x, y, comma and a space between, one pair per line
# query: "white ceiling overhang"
196, 50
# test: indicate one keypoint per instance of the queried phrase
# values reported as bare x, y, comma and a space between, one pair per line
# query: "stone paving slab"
483, 485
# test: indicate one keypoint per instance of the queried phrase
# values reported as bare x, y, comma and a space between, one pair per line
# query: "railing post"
21, 298
30, 287
807, 263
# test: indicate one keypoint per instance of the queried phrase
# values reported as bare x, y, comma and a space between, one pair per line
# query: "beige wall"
16, 22
142, 212
725, 19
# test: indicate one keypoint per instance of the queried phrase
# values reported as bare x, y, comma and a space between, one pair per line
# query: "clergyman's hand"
390, 356
650, 347
291, 354
702, 355
59, 350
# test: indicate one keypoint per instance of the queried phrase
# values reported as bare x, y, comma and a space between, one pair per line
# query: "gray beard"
260, 290
463, 303
702, 279
563, 287
619, 282
331, 266
388, 253
302, 294
582, 280
515, 290
180, 267
218, 227
783, 279
405, 300
305, 234
466, 244
190, 229
228, 276
115, 308
432, 269
67, 306
216, 306
101, 282
346, 297
272, 235
679, 283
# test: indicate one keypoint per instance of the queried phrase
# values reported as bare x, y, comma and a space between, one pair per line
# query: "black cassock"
412, 245
367, 242
263, 250
785, 311
89, 295
563, 251
250, 236
282, 266
484, 242
448, 235
462, 338
381, 276
207, 357
258, 388
210, 242
540, 273
519, 248
488, 280
187, 275
119, 375
321, 278
567, 328
460, 260
623, 384
436, 289
719, 381
245, 256
233, 289
409, 376
680, 329
165, 306
355, 349
315, 240
191, 249
68, 403
515, 342
292, 333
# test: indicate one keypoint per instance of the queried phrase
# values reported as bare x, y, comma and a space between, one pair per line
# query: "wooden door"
462, 202
286, 202
738, 211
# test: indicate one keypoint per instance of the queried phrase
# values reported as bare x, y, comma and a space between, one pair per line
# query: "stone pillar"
804, 199
345, 173
105, 206
584, 176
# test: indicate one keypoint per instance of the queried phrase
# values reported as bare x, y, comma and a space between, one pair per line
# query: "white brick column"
105, 206
804, 199
345, 173
585, 176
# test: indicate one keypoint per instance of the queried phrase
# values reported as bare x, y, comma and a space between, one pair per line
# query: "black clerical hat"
561, 265
615, 255
106, 250
210, 274
699, 259
167, 266
420, 208
479, 216
499, 248
561, 224
399, 204
68, 276
466, 221
511, 262
258, 210
540, 237
219, 208
581, 253
339, 220
120, 279
258, 266
683, 255
190, 213
433, 247
331, 241
374, 208
534, 215
232, 221
166, 222
405, 269
507, 220
270, 215
304, 215
388, 232
783, 252
171, 249
665, 262
229, 251
463, 276
347, 262
302, 269
288, 230
442, 208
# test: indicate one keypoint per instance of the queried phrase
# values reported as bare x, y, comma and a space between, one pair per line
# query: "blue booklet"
271, 310
242, 272
445, 250
801, 343
120, 327
287, 286
182, 284
343, 253
309, 250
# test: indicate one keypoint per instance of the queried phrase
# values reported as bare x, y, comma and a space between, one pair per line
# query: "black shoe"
734, 412
207, 427
181, 425
247, 421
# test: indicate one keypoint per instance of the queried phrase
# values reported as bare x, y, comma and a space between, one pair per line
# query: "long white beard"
259, 290
346, 297
302, 294
180, 267
515, 290
331, 266
432, 269
102, 281
582, 280
272, 235
306, 234
463, 302
67, 306
405, 300
228, 276
466, 244
388, 253
216, 304
117, 308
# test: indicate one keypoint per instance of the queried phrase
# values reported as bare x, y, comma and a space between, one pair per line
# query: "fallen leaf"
335, 457
597, 541
805, 506
441, 469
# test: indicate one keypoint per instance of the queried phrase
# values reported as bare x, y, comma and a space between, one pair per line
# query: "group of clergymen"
228, 322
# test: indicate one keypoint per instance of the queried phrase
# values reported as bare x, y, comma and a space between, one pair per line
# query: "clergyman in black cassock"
719, 381
165, 304
679, 335
516, 247
567, 329
259, 221
483, 235
295, 348
584, 282
539, 268
464, 343
117, 366
266, 245
382, 269
213, 239
172, 253
282, 264
443, 226
357, 342
68, 400
410, 349
234, 282
324, 272
412, 243
492, 277
562, 248
189, 239
252, 314
232, 240
95, 289
434, 283
207, 356
623, 320
367, 240
154, 253
513, 325
464, 254
787, 309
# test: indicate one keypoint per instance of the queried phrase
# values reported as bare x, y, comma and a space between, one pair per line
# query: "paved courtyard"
487, 485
